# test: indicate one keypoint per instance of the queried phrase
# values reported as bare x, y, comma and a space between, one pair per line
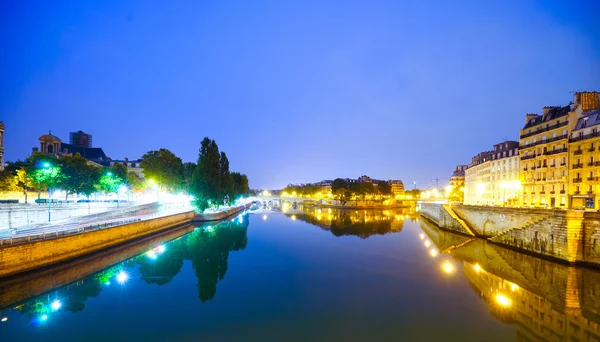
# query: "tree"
136, 184
119, 170
79, 176
339, 183
164, 167
384, 187
226, 187
109, 183
188, 174
206, 179
240, 184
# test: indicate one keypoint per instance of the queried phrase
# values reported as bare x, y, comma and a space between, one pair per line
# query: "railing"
591, 149
578, 152
552, 165
577, 166
528, 157
545, 129
542, 192
560, 150
577, 180
590, 192
592, 178
590, 164
562, 191
584, 136
552, 192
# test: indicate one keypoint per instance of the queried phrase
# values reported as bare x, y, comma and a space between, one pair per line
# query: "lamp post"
46, 167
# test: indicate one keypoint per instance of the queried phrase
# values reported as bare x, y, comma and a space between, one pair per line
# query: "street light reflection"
503, 300
447, 267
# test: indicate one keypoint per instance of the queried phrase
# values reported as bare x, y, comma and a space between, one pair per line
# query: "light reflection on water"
403, 279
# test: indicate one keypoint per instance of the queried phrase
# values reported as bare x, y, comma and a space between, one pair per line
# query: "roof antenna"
50, 132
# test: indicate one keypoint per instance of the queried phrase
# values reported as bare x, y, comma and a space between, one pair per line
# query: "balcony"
525, 168
577, 180
578, 152
545, 129
552, 165
542, 192
590, 164
590, 192
533, 167
545, 165
577, 193
592, 179
584, 137
552, 192
560, 150
563, 164
562, 192
533, 192
597, 163
528, 157
577, 166
591, 149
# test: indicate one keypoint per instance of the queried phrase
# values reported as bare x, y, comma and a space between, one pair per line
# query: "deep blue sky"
293, 91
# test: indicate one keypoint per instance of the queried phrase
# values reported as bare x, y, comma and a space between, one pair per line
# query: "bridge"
278, 201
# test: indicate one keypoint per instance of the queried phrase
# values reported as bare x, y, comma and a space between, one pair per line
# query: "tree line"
209, 181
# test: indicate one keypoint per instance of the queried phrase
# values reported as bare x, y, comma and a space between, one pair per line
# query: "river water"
305, 275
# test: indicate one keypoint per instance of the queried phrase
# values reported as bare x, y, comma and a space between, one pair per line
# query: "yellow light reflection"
477, 268
265, 217
433, 253
427, 243
448, 267
422, 236
294, 217
503, 300
514, 287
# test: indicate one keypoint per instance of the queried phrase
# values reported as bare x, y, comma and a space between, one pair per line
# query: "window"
589, 202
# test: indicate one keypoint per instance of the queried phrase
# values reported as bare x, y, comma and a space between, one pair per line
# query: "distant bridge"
278, 201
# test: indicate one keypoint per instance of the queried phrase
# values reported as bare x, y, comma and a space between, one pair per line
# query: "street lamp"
46, 167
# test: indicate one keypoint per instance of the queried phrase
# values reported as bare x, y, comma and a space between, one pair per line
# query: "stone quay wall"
567, 235
28, 256
437, 214
220, 215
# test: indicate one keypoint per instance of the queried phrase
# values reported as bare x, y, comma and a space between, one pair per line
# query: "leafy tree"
164, 167
135, 183
240, 184
119, 170
384, 187
8, 180
188, 173
109, 183
206, 181
80, 176
43, 171
338, 183
226, 186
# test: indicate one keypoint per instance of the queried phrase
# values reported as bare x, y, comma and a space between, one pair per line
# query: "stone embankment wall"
441, 217
20, 258
567, 235
220, 215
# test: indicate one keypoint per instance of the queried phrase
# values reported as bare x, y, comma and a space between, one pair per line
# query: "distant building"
505, 185
52, 145
397, 187
457, 180
131, 165
2, 128
477, 179
80, 139
365, 179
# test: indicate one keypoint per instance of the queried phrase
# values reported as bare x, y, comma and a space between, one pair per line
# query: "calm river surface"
312, 275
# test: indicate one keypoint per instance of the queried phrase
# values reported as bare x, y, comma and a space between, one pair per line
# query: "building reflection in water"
361, 223
206, 248
546, 301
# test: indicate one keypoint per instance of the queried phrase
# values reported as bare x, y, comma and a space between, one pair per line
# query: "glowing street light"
503, 300
447, 267
44, 317
56, 305
265, 217
433, 253
4, 319
122, 277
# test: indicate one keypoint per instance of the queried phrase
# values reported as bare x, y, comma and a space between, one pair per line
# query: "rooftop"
553, 113
589, 118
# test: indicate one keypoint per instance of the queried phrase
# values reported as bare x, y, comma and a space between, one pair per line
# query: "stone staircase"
452, 214
499, 238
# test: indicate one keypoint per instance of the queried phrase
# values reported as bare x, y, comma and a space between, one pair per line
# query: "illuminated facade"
504, 185
397, 187
546, 164
477, 180
584, 161
457, 180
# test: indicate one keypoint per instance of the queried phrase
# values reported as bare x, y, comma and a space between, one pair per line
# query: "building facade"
505, 185
131, 165
397, 188
584, 162
477, 180
549, 168
457, 180
80, 139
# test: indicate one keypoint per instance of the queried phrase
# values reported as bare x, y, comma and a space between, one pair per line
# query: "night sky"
293, 91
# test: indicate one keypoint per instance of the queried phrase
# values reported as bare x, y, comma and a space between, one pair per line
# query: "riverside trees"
212, 183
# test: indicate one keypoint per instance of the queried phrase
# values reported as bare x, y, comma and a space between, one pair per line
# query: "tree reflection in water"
206, 248
361, 223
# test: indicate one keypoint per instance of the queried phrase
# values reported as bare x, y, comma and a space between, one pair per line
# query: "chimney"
588, 100
530, 116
